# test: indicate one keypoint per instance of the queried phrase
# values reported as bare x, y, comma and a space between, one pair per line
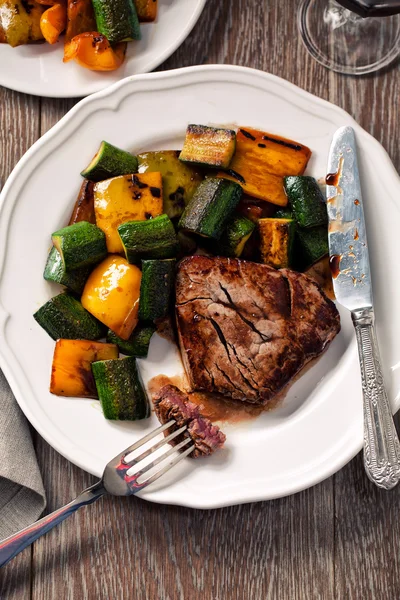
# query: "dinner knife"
351, 275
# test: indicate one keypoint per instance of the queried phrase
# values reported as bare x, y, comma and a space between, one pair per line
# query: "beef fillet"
171, 403
246, 329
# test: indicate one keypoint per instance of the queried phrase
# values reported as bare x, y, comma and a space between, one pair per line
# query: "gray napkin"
22, 496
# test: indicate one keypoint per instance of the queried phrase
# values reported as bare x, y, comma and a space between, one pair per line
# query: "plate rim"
95, 87
9, 196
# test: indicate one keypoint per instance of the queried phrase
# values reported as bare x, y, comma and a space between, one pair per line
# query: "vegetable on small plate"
93, 51
276, 242
20, 22
80, 245
55, 271
146, 10
71, 371
138, 343
120, 389
306, 201
53, 22
208, 146
110, 161
156, 290
155, 238
117, 20
126, 198
111, 294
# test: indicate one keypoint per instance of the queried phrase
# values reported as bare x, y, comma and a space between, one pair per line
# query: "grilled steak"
246, 329
171, 403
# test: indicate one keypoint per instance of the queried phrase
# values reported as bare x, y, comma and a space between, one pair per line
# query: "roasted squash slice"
111, 294
276, 242
93, 51
20, 22
126, 198
262, 160
53, 22
84, 205
146, 9
71, 372
80, 19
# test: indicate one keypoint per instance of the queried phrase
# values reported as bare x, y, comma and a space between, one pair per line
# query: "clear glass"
345, 42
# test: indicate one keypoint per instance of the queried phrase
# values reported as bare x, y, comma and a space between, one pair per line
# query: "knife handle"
381, 443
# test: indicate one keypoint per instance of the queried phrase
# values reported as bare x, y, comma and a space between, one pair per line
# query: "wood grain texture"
337, 540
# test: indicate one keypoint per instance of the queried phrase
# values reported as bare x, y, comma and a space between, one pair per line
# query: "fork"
115, 481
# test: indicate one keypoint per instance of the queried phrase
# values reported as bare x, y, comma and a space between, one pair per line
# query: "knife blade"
351, 274
347, 236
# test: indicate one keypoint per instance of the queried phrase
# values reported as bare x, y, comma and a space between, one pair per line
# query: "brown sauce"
334, 264
356, 236
332, 179
165, 329
356, 202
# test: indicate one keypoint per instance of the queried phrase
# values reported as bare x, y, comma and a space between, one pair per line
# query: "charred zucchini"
276, 242
84, 205
284, 213
310, 245
138, 343
110, 161
126, 198
71, 372
80, 245
234, 238
179, 180
146, 10
156, 289
208, 146
120, 389
118, 21
213, 203
262, 160
55, 271
306, 201
64, 317
151, 239
111, 294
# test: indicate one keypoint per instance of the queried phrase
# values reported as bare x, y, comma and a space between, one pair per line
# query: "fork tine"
161, 458
147, 438
159, 444
167, 467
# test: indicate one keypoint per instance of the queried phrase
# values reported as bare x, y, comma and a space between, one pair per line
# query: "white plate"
38, 68
318, 428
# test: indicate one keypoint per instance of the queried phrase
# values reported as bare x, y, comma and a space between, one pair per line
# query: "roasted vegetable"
306, 201
53, 22
64, 317
80, 245
117, 20
20, 21
84, 205
155, 238
322, 274
71, 372
120, 389
138, 343
213, 203
111, 294
93, 51
284, 213
110, 161
234, 237
208, 146
261, 161
179, 180
55, 271
310, 245
276, 241
80, 19
126, 198
156, 290
146, 9
255, 209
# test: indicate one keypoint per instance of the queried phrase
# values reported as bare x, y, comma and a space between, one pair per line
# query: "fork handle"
14, 544
381, 443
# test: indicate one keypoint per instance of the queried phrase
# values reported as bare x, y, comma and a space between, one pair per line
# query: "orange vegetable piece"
81, 18
111, 294
93, 51
262, 160
53, 22
146, 9
71, 372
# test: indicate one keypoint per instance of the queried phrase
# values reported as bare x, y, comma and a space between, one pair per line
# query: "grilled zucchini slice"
55, 271
138, 343
208, 146
306, 201
151, 239
156, 289
110, 161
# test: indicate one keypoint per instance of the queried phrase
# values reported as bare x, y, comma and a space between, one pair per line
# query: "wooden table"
340, 539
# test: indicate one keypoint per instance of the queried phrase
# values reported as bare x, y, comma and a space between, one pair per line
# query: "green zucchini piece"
156, 289
310, 245
117, 20
208, 146
120, 389
211, 207
55, 271
80, 245
234, 238
306, 200
179, 180
139, 342
110, 161
155, 238
276, 242
283, 213
63, 317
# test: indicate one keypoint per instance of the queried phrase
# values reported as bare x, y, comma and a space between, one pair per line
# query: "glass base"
345, 42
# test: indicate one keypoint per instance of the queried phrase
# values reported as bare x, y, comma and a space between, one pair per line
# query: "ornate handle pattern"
381, 443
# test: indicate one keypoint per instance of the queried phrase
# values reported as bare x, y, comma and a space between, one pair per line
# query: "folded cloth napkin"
22, 496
